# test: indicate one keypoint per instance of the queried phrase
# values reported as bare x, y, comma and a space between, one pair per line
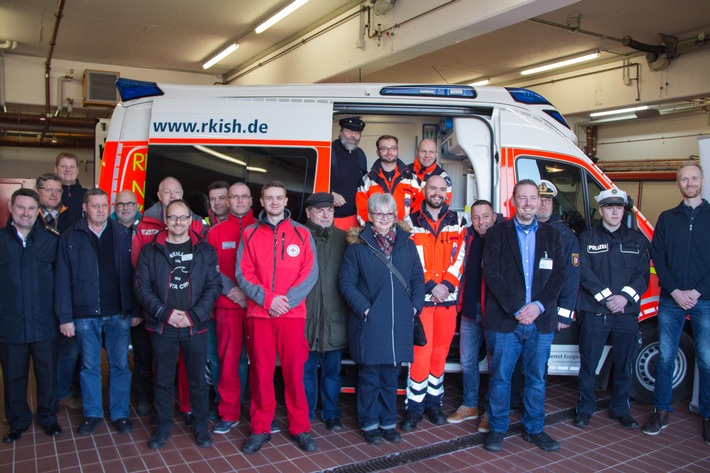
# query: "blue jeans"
377, 396
470, 337
671, 319
329, 381
117, 336
505, 349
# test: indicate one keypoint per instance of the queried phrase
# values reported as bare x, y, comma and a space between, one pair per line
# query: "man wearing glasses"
326, 314
230, 308
53, 214
126, 210
388, 175
177, 283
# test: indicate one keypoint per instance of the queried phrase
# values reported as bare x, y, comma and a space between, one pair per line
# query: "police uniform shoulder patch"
575, 259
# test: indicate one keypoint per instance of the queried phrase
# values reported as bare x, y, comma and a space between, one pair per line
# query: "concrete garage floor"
603, 446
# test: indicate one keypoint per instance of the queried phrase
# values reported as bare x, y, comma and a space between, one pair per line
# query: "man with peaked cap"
615, 273
348, 164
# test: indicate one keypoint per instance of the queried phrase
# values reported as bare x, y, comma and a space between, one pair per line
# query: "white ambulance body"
488, 138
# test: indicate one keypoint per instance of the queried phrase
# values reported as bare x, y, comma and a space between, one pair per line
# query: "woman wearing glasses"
382, 281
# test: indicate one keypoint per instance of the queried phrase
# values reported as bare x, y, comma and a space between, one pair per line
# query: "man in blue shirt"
524, 269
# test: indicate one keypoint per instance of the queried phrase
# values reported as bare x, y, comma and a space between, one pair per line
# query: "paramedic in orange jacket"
440, 241
388, 175
276, 269
423, 167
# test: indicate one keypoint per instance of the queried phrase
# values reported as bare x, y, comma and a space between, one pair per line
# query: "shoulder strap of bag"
392, 269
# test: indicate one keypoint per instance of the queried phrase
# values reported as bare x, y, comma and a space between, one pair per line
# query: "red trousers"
426, 373
266, 337
230, 324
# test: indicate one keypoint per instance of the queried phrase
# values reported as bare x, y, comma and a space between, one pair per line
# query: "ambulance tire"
645, 367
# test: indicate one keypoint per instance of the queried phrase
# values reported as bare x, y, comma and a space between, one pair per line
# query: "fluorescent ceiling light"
219, 155
280, 15
480, 83
618, 111
564, 63
227, 51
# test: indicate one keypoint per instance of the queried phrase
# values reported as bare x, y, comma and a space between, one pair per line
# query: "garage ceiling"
181, 34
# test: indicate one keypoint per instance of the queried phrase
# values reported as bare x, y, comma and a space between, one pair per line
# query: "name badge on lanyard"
545, 262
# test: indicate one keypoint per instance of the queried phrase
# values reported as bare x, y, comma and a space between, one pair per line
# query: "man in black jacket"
615, 273
94, 302
524, 269
681, 257
28, 326
177, 283
66, 166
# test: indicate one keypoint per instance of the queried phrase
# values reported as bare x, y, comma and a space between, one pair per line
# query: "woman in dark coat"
382, 313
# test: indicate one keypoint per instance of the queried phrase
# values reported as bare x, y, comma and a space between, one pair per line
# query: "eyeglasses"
240, 196
383, 216
384, 149
326, 212
129, 205
181, 218
50, 190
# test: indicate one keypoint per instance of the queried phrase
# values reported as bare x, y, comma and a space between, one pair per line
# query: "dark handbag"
419, 334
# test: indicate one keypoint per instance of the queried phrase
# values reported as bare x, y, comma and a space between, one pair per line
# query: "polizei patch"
293, 250
603, 248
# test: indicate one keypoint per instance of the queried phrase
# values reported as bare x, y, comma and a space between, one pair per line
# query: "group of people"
380, 257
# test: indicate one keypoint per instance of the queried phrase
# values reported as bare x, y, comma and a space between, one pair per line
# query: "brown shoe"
71, 403
463, 413
484, 426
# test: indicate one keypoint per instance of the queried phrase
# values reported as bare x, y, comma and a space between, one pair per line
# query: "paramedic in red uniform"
388, 175
348, 164
276, 314
440, 241
230, 309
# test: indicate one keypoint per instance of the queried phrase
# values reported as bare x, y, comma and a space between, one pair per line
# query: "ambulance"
488, 138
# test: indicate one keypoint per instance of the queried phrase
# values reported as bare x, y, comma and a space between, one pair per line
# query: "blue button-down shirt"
526, 243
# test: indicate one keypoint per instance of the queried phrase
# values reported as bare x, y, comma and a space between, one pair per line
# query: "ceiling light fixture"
563, 63
479, 83
280, 15
226, 52
618, 111
219, 155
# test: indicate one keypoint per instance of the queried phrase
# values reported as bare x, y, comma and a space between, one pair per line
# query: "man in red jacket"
230, 309
276, 314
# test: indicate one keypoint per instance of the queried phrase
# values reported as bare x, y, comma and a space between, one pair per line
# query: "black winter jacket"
76, 279
613, 264
680, 251
26, 285
153, 282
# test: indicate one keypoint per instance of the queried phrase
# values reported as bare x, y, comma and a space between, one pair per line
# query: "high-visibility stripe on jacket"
441, 245
418, 175
375, 182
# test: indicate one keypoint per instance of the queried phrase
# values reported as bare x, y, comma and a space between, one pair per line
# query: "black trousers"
142, 364
166, 346
595, 330
15, 360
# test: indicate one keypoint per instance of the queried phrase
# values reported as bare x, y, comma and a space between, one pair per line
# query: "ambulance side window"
197, 166
570, 204
594, 189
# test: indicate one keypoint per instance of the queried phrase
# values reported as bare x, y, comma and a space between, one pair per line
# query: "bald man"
126, 211
423, 167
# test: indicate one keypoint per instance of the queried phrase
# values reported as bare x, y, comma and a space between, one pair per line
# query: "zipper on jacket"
394, 350
276, 245
283, 244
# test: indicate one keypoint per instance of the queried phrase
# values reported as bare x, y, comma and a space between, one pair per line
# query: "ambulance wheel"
645, 367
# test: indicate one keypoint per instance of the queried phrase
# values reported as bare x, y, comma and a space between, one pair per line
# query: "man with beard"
348, 164
388, 175
681, 256
524, 269
440, 241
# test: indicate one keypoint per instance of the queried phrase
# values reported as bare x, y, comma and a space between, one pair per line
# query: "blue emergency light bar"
454, 91
135, 89
526, 96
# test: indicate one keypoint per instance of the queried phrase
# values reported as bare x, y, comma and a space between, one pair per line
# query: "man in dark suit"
524, 269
